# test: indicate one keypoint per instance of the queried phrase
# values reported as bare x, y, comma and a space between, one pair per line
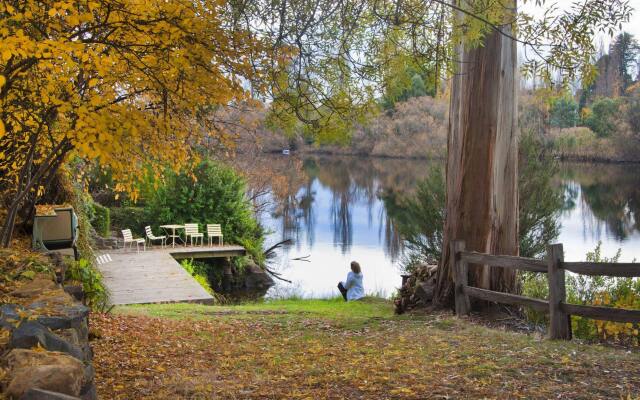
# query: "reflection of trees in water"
307, 198
609, 195
339, 178
392, 239
352, 182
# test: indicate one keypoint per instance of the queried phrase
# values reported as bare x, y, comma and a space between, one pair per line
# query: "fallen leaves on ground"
278, 356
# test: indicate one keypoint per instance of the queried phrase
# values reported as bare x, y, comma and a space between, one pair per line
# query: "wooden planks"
602, 313
506, 298
207, 252
625, 270
513, 262
460, 270
555, 267
154, 276
559, 322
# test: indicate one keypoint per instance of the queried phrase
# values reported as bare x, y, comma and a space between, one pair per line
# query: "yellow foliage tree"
121, 82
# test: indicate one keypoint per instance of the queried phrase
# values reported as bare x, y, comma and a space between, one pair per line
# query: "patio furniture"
191, 231
128, 238
55, 228
214, 230
172, 235
103, 259
151, 237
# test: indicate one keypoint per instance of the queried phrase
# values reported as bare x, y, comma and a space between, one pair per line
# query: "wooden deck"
154, 276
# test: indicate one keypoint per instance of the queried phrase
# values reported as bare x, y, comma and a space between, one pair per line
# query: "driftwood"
417, 289
424, 291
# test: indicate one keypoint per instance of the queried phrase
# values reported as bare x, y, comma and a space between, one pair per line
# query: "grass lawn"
328, 349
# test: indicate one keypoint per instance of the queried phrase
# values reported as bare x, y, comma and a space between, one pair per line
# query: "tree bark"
482, 161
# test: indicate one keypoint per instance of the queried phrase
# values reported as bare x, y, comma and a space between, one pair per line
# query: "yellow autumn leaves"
617, 330
121, 82
3, 80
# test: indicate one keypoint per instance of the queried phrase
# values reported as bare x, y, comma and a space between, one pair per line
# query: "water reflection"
601, 204
332, 210
352, 184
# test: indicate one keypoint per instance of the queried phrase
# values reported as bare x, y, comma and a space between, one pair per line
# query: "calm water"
331, 208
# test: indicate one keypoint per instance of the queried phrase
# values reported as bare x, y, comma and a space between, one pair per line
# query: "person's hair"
355, 267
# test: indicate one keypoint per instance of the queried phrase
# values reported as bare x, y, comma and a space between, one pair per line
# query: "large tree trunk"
482, 176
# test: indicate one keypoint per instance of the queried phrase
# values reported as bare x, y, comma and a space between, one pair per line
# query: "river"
332, 209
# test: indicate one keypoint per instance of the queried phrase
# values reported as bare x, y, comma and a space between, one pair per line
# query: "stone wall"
46, 352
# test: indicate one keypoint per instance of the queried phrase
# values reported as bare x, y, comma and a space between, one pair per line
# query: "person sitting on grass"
352, 288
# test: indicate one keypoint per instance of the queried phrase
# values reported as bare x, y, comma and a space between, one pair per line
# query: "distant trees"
407, 83
624, 52
613, 70
633, 109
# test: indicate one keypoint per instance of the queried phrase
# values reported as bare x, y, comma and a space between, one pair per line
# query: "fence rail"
554, 266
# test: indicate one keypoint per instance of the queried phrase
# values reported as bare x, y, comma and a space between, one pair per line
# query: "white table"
173, 235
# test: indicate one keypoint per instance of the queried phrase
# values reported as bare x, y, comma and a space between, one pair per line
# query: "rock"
89, 374
36, 287
39, 394
110, 243
89, 392
65, 317
59, 311
70, 335
60, 265
9, 316
30, 334
256, 278
75, 291
52, 371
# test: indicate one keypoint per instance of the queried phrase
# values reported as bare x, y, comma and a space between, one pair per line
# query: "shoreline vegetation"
416, 129
570, 158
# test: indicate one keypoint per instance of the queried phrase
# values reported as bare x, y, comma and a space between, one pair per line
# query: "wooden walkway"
154, 276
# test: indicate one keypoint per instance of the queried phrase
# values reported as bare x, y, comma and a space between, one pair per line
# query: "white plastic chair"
151, 237
128, 238
191, 232
214, 230
103, 259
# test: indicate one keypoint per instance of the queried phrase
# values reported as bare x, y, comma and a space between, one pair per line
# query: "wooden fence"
554, 266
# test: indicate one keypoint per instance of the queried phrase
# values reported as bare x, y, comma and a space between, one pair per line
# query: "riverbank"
331, 349
587, 158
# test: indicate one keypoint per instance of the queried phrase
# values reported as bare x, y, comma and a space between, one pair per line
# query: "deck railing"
554, 266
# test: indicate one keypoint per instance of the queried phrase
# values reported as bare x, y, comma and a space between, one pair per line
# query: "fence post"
559, 326
460, 278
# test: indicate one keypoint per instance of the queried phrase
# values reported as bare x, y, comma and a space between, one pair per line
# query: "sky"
633, 26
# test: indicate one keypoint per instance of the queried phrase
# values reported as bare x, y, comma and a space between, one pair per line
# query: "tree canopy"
346, 52
121, 82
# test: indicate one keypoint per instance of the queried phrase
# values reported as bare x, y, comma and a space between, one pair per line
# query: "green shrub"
419, 219
564, 112
134, 218
602, 116
540, 199
213, 194
96, 294
101, 220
